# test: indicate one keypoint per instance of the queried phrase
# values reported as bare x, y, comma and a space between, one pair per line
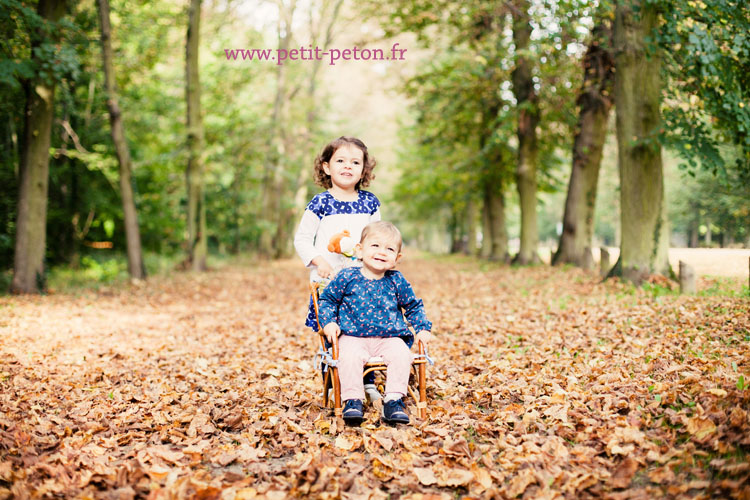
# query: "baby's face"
380, 252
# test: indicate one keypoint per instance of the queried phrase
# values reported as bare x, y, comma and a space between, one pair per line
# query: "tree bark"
471, 228
595, 103
31, 222
693, 227
486, 249
196, 216
604, 261
456, 232
136, 267
496, 233
528, 118
498, 166
645, 236
707, 238
273, 184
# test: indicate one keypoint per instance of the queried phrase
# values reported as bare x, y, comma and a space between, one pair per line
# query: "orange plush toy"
342, 243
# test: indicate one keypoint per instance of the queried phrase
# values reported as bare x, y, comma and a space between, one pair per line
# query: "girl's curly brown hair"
368, 164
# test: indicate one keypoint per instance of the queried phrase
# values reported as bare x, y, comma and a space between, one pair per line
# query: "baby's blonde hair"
381, 227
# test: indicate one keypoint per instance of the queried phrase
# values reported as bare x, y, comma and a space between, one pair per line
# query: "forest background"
135, 147
212, 152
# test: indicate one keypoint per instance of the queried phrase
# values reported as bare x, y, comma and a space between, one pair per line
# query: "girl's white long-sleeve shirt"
325, 217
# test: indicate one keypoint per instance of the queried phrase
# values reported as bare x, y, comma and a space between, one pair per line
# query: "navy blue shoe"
353, 414
394, 412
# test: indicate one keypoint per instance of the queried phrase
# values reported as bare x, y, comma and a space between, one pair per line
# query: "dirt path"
547, 383
732, 262
724, 262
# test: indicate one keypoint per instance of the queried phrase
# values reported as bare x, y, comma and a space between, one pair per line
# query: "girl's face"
345, 167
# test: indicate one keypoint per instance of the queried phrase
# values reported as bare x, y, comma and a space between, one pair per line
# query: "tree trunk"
273, 184
236, 190
486, 249
497, 167
31, 222
496, 234
196, 216
456, 232
604, 261
594, 103
528, 118
645, 236
136, 267
707, 238
693, 228
471, 228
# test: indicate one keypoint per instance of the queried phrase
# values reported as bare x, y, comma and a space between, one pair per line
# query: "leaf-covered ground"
547, 384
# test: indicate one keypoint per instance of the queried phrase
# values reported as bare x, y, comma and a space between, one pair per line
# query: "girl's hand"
331, 331
424, 336
324, 268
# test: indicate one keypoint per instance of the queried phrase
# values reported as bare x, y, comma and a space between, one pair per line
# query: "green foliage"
464, 135
725, 287
56, 62
459, 139
8, 194
706, 49
148, 41
704, 199
460, 135
657, 290
17, 21
103, 268
236, 133
31, 48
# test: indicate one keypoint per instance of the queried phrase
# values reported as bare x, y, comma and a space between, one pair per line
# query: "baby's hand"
331, 331
424, 336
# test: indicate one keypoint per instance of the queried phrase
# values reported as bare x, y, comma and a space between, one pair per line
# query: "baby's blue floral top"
372, 308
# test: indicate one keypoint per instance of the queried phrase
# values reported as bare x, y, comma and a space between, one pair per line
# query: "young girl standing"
344, 167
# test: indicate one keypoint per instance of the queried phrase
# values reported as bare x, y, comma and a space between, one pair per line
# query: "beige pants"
354, 353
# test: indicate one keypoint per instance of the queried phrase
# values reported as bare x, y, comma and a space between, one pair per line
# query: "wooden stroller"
328, 356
